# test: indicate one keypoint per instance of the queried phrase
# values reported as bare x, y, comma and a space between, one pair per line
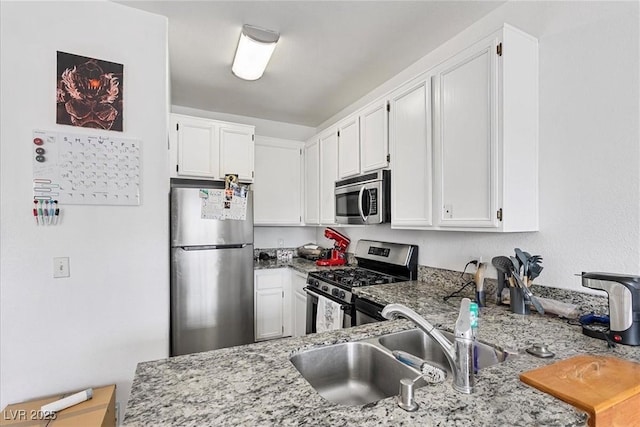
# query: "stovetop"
352, 277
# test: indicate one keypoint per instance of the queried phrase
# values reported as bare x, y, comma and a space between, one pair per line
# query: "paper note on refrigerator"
218, 204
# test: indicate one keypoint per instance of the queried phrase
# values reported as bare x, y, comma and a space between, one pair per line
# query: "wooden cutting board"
607, 388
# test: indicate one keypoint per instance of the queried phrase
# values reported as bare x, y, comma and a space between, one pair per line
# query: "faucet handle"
405, 399
463, 324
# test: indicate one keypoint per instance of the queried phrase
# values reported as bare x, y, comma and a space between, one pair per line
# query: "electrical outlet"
61, 267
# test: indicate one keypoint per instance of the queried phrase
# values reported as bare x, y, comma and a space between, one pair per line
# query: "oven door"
359, 204
348, 319
368, 312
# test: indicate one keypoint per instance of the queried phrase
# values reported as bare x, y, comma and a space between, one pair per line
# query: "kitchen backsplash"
586, 302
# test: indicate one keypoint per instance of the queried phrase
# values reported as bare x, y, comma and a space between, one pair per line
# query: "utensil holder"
519, 303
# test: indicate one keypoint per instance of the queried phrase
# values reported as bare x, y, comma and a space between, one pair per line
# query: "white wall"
94, 327
292, 237
589, 144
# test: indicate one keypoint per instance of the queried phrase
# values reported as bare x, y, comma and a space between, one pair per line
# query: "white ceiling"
330, 53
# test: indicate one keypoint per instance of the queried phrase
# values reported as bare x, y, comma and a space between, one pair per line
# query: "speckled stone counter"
299, 264
256, 385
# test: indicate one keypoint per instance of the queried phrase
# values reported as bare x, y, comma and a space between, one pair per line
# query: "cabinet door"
300, 314
277, 190
312, 182
374, 145
269, 303
236, 151
411, 156
465, 139
269, 314
197, 147
349, 147
328, 177
298, 283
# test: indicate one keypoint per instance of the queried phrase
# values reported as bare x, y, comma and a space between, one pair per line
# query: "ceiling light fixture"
255, 48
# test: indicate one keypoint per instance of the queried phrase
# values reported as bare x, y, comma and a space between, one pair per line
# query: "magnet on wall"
38, 141
40, 159
39, 150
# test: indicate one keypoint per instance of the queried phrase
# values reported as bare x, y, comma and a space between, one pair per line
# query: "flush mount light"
255, 48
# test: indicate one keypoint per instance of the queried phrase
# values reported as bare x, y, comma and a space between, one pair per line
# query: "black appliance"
624, 305
378, 263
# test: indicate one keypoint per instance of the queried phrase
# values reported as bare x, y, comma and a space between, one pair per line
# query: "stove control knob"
325, 288
334, 292
342, 294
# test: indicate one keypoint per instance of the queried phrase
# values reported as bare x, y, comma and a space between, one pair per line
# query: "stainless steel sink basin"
353, 373
418, 343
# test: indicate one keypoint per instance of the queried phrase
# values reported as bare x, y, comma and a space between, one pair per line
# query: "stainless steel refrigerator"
211, 274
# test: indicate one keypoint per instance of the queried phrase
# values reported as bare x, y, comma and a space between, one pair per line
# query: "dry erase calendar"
86, 169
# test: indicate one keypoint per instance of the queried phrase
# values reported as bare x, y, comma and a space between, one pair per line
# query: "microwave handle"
360, 207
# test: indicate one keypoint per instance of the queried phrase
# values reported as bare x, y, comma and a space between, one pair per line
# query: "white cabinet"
411, 155
328, 176
204, 148
272, 303
312, 182
277, 187
237, 151
195, 146
299, 314
349, 147
485, 102
321, 173
374, 136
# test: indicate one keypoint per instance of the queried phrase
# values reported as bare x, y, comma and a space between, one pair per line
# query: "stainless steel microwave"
364, 199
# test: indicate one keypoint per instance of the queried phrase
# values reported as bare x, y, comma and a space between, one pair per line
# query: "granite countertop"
298, 264
257, 385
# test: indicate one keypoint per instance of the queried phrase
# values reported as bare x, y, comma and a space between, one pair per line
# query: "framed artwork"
89, 92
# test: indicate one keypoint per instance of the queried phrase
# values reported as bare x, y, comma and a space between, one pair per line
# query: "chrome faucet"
459, 353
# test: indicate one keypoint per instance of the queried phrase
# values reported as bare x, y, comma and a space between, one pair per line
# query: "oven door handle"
360, 204
343, 307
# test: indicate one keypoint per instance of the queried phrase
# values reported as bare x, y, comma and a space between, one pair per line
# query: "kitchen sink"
419, 344
361, 372
353, 373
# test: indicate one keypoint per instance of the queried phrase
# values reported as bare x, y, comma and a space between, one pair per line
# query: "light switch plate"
61, 267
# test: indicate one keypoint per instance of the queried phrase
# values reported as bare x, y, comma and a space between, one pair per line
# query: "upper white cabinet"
312, 182
374, 136
485, 109
328, 176
363, 141
237, 151
321, 173
195, 147
411, 155
277, 187
204, 148
349, 147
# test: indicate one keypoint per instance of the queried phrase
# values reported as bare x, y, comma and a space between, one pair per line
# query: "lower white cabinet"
299, 313
272, 303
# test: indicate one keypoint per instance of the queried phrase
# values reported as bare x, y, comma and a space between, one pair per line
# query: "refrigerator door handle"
209, 247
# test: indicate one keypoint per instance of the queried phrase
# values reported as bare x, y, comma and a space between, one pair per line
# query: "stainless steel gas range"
378, 263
